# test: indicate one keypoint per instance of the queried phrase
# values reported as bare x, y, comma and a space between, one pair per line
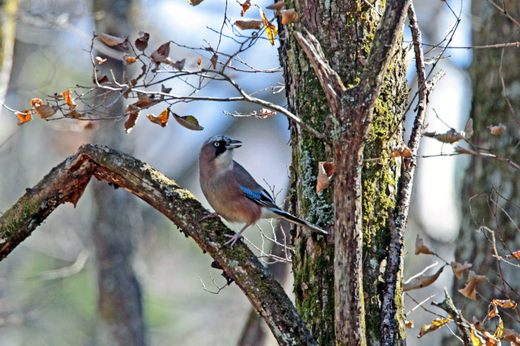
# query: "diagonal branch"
67, 181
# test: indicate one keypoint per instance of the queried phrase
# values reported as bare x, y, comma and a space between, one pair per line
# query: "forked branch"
67, 181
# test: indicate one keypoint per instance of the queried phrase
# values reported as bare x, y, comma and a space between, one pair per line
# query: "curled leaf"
245, 6
470, 289
145, 101
35, 102
45, 111
434, 325
68, 99
270, 28
289, 16
265, 113
450, 137
188, 121
325, 172
248, 24
214, 60
276, 6
128, 59
409, 324
179, 65
142, 41
420, 248
402, 151
162, 119
194, 2
515, 255
74, 114
459, 268
100, 60
132, 112
161, 54
496, 130
468, 129
199, 61
113, 41
24, 116
422, 280
512, 336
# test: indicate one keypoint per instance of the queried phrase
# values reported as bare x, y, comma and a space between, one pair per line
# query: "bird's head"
219, 150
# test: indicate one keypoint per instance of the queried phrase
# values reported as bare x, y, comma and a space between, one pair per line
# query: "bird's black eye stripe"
220, 146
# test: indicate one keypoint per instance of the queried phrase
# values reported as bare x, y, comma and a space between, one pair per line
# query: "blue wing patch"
260, 197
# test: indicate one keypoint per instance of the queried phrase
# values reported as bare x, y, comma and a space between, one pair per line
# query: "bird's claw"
233, 239
209, 216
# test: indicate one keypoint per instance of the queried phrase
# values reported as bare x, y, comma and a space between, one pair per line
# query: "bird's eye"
216, 144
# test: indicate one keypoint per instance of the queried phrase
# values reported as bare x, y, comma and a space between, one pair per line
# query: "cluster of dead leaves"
287, 16
44, 110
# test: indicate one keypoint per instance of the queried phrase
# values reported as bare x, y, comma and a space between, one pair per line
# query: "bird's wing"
251, 189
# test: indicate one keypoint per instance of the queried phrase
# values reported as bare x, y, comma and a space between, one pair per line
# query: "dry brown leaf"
512, 336
132, 112
402, 151
142, 41
35, 102
89, 126
434, 325
468, 129
161, 54
74, 114
248, 24
199, 61
213, 61
459, 268
325, 172
470, 290
24, 116
420, 248
162, 119
129, 59
145, 101
422, 280
276, 6
270, 28
68, 99
194, 2
266, 113
188, 121
113, 41
179, 64
245, 6
289, 16
409, 324
100, 60
516, 255
102, 79
496, 130
45, 111
449, 137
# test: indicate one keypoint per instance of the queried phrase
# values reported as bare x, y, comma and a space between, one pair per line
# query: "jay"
233, 192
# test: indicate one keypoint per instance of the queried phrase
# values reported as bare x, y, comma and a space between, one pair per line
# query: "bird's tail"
291, 218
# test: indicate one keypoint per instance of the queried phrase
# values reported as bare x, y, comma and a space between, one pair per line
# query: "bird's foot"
213, 215
233, 239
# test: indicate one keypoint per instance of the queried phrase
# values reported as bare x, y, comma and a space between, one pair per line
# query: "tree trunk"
115, 221
345, 30
8, 9
491, 190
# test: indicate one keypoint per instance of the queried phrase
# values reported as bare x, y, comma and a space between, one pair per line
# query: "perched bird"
233, 192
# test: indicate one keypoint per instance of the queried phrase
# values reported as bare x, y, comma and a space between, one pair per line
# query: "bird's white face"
219, 150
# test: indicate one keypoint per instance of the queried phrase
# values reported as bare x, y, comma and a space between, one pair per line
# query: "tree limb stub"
67, 181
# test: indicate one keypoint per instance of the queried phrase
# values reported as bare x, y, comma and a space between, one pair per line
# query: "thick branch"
389, 327
67, 181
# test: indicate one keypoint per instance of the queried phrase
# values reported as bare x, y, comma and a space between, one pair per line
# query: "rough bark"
114, 228
491, 191
345, 30
67, 181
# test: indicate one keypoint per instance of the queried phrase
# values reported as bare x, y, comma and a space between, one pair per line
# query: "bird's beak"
233, 144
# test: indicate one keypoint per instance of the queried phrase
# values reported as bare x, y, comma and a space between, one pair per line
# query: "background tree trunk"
8, 9
491, 189
117, 217
345, 30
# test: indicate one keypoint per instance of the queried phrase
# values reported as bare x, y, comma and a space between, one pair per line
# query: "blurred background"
49, 285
